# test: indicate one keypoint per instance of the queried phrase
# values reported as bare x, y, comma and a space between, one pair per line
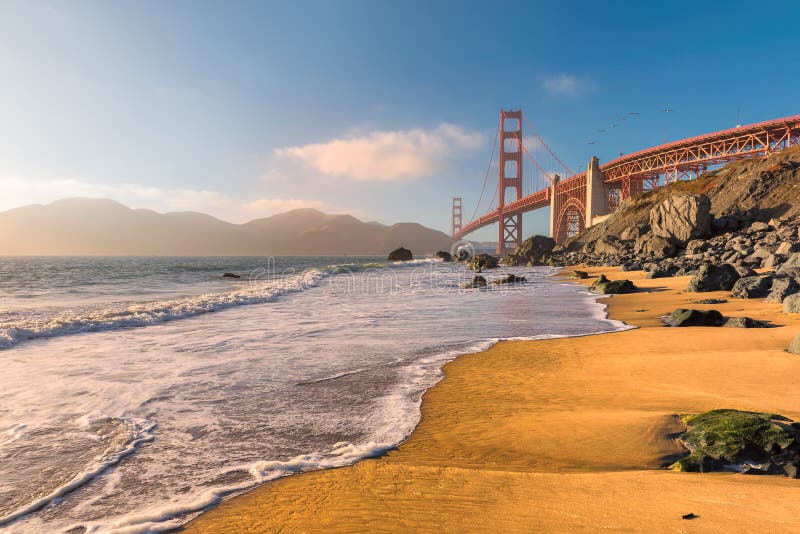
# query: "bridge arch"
571, 219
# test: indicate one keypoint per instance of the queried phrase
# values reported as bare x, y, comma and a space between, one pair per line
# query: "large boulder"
401, 254
711, 277
791, 264
782, 287
604, 286
682, 218
752, 287
684, 317
444, 255
660, 247
533, 251
791, 304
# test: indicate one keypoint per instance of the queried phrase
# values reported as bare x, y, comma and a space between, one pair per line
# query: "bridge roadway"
625, 176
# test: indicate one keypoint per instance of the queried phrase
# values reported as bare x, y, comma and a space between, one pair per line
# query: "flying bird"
592, 142
667, 110
634, 113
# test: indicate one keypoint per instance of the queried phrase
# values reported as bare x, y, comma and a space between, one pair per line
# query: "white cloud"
19, 192
385, 156
564, 85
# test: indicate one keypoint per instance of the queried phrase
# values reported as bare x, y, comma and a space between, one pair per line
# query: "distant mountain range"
104, 227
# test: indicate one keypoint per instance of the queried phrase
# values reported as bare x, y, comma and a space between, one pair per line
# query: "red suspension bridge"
531, 176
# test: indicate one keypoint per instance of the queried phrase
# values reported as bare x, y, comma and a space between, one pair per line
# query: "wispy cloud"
385, 156
565, 85
19, 192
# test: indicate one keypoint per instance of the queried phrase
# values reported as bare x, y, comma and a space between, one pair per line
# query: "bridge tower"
456, 221
510, 176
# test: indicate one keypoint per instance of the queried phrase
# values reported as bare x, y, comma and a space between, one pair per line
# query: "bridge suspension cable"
488, 170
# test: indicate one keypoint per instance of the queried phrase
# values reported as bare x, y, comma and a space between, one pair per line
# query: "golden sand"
564, 435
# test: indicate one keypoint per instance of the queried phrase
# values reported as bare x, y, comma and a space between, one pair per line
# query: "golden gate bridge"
531, 176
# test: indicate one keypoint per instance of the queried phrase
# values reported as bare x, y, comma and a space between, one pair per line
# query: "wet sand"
564, 435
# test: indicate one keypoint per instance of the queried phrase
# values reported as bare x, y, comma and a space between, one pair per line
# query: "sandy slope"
564, 435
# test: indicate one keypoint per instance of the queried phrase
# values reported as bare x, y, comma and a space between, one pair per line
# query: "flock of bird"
621, 119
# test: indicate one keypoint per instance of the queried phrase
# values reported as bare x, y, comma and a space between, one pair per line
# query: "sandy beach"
564, 435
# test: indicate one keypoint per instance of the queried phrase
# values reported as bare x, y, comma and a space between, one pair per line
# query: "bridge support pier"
553, 209
596, 194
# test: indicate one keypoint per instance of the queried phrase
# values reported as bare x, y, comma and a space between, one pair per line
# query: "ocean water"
137, 392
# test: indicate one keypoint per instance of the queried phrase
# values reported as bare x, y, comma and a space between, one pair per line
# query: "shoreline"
586, 421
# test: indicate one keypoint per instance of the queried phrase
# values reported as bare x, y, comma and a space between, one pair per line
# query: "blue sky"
381, 109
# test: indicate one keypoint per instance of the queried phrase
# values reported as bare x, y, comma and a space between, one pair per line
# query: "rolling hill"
82, 226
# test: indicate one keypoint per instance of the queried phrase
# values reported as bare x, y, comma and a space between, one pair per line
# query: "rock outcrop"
444, 256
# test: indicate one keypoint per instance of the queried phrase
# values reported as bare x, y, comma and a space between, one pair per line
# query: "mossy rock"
733, 440
579, 275
604, 286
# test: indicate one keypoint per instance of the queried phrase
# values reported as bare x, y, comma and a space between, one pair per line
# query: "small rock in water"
510, 279
444, 256
478, 281
230, 275
400, 254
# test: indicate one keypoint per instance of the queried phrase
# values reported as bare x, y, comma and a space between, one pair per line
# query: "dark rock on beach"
752, 287
714, 278
579, 275
684, 317
782, 287
230, 275
400, 254
744, 322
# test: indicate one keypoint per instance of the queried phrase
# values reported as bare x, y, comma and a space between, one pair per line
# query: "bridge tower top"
455, 227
